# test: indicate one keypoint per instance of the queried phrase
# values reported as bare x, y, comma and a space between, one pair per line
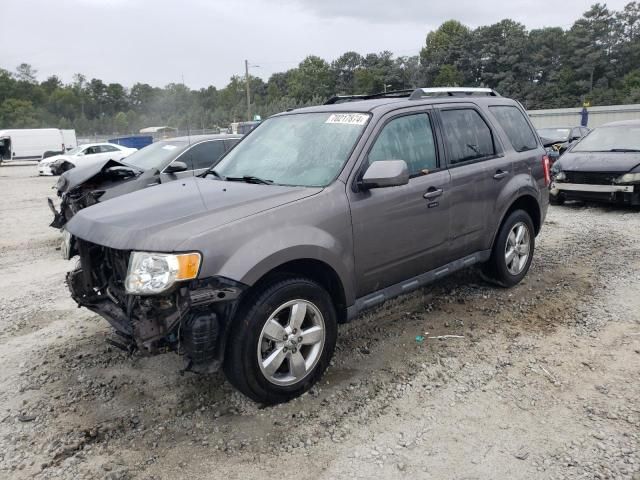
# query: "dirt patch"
459, 380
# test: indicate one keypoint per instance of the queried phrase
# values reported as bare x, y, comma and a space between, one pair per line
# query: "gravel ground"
540, 381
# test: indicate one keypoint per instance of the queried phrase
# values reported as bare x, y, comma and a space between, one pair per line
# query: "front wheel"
512, 251
282, 340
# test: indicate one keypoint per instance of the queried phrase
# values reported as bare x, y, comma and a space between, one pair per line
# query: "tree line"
596, 60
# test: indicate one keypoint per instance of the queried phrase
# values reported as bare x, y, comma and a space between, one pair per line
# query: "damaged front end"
86, 185
190, 318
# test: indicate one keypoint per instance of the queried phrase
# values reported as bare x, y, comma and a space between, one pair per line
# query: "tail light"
546, 164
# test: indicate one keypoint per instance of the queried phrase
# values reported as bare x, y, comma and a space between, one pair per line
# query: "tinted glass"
408, 138
306, 149
607, 139
157, 155
230, 143
466, 135
203, 155
516, 127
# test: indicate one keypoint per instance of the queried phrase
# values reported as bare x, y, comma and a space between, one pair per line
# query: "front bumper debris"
612, 193
583, 187
191, 319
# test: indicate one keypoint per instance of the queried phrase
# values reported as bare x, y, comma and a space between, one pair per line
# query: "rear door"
398, 232
478, 169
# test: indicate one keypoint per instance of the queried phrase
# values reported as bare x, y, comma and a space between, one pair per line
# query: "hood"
83, 172
613, 162
163, 217
55, 158
548, 141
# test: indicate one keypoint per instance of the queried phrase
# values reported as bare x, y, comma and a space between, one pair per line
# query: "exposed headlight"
560, 177
151, 273
61, 183
629, 178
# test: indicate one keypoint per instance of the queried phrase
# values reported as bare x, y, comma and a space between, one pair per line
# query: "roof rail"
452, 91
356, 98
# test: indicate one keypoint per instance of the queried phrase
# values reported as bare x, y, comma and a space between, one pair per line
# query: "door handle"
500, 174
433, 193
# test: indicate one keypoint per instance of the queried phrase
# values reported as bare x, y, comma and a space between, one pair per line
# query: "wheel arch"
529, 204
314, 269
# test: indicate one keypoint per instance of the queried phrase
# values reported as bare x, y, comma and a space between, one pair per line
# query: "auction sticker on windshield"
348, 118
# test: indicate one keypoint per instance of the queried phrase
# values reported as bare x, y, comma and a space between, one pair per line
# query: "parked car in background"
558, 140
315, 216
34, 143
604, 166
161, 162
58, 164
69, 142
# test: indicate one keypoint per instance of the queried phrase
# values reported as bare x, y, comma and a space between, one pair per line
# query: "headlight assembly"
560, 177
152, 273
629, 178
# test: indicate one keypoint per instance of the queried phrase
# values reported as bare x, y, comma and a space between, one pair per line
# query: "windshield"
607, 139
76, 150
156, 154
554, 132
304, 149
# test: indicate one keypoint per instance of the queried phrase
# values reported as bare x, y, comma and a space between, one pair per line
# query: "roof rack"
356, 98
419, 93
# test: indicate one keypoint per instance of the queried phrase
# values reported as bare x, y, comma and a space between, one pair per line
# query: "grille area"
107, 266
591, 178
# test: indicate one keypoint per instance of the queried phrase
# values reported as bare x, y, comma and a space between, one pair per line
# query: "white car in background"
91, 151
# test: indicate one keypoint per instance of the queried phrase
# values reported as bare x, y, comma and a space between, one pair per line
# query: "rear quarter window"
516, 127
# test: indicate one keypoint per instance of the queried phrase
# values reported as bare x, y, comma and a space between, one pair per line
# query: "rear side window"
466, 135
230, 143
205, 154
107, 148
516, 127
408, 138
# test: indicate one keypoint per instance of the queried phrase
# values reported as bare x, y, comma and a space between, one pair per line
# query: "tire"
252, 344
498, 269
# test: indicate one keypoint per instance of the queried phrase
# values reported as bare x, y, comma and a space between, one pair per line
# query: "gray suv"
316, 215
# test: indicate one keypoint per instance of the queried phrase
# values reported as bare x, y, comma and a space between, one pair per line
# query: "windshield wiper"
250, 179
214, 173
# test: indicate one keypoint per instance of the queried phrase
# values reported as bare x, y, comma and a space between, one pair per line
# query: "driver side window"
409, 138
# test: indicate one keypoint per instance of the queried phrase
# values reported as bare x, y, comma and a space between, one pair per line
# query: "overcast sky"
158, 41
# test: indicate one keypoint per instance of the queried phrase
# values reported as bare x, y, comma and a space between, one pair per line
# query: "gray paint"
372, 238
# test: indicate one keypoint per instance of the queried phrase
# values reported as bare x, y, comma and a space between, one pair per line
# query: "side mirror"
386, 173
176, 167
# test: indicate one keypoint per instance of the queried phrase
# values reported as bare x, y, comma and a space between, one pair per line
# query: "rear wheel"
282, 341
512, 251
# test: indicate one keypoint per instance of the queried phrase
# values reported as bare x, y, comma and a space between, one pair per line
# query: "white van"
31, 144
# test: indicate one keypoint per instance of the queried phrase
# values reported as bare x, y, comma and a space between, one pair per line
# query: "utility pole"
246, 79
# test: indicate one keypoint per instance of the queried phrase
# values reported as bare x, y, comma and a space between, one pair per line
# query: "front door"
400, 232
